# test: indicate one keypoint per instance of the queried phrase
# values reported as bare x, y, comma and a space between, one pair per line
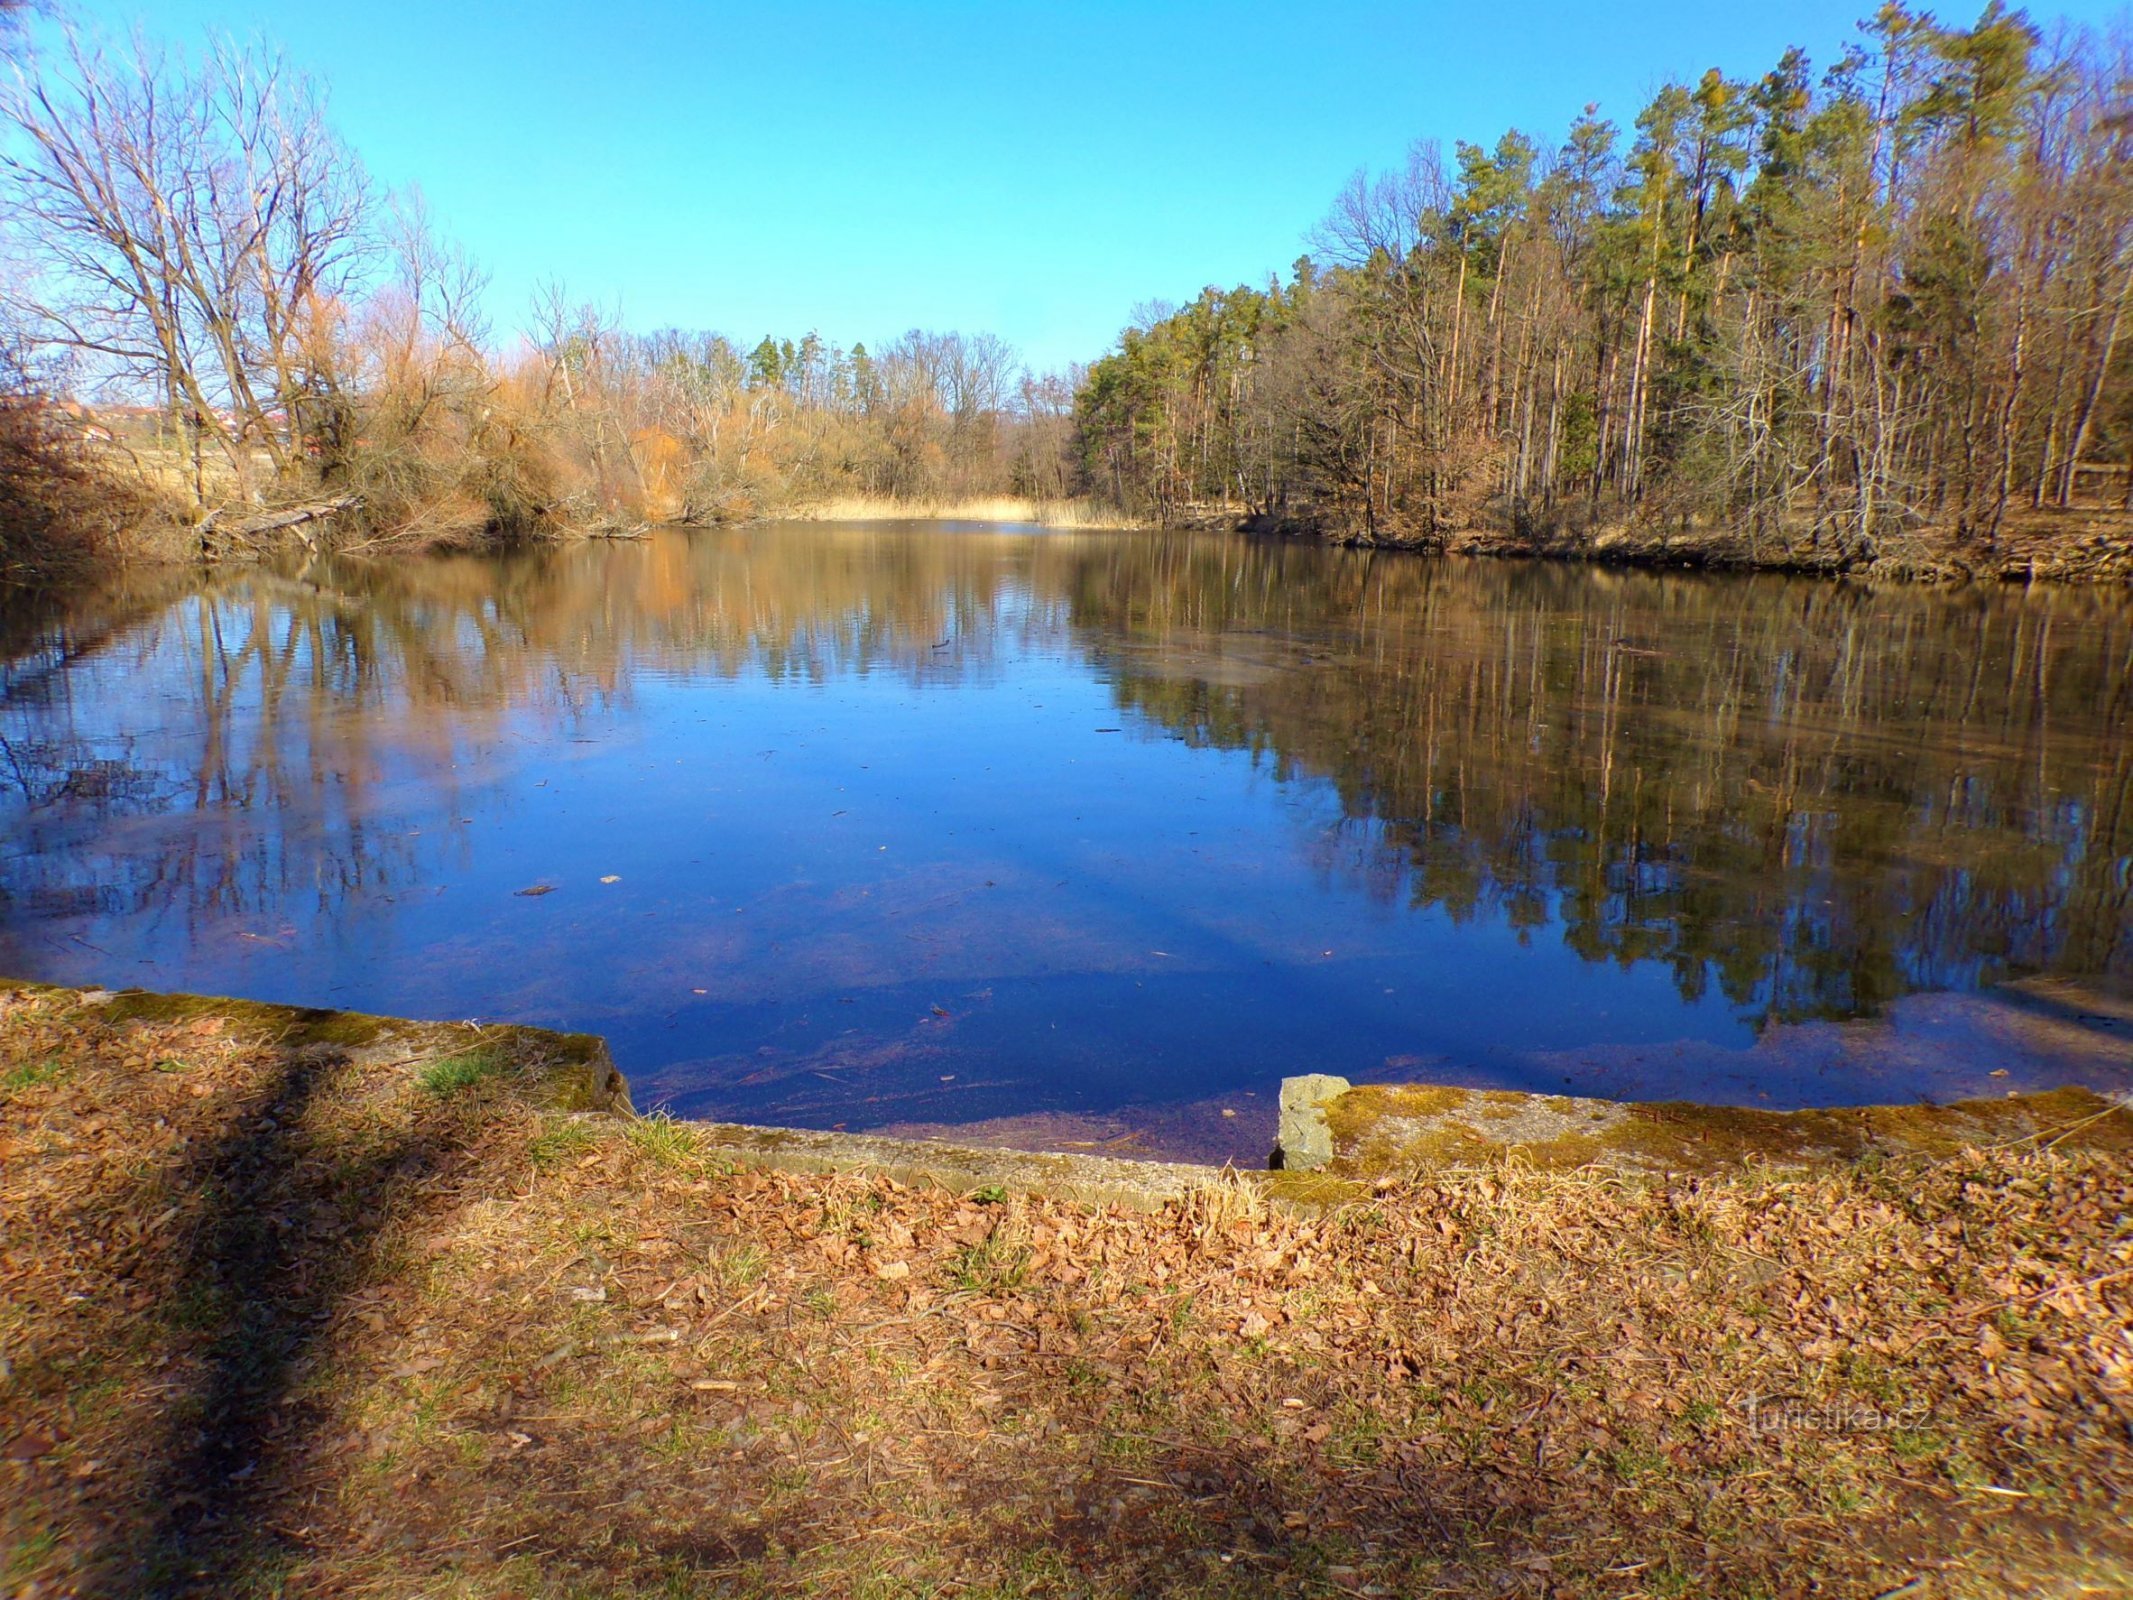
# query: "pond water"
1087, 839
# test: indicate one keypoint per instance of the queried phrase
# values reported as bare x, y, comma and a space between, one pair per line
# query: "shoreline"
2099, 558
306, 1303
1333, 1143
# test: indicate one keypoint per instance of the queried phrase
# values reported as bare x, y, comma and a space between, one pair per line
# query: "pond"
1086, 839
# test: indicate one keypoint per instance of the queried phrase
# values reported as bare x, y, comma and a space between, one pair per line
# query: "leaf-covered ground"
283, 1316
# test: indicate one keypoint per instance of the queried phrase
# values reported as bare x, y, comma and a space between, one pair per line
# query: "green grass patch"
560, 1142
667, 1141
32, 1074
457, 1074
991, 1266
744, 1266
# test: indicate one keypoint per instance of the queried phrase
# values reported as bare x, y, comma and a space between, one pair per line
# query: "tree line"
1818, 309
192, 237
1808, 312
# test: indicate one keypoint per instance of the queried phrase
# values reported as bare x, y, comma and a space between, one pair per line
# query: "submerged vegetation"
279, 1320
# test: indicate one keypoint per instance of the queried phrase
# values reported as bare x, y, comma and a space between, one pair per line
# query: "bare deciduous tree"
190, 228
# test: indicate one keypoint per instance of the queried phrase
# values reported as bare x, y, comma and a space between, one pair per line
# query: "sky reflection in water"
1087, 838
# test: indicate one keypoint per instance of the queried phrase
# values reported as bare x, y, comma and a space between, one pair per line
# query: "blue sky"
1035, 171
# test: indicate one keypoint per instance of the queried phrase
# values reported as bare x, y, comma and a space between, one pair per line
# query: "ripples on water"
1091, 838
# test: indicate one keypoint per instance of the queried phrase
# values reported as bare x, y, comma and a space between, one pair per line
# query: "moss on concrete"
1398, 1129
556, 1071
294, 1025
1092, 1180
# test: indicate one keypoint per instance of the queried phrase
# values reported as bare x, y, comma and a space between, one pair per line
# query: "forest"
1811, 311
1793, 320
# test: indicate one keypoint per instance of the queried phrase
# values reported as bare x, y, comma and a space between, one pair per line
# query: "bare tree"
190, 228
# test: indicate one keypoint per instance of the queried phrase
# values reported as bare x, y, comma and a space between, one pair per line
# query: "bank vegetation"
272, 347
1871, 316
1803, 318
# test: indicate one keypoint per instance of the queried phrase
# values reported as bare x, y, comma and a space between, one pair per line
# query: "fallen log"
296, 516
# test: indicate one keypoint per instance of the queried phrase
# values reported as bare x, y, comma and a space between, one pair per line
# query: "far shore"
2089, 548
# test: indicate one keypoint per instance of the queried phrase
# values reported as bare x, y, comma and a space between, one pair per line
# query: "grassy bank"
296, 1310
94, 511
1078, 513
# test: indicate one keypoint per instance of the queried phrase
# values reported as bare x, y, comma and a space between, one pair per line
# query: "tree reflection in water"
1796, 800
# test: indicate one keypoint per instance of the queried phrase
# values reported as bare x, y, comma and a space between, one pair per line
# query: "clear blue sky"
1031, 170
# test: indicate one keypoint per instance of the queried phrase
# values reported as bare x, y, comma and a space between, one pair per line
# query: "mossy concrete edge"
965, 1169
556, 1071
1361, 1133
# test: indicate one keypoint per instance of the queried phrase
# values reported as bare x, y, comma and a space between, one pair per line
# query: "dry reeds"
1076, 513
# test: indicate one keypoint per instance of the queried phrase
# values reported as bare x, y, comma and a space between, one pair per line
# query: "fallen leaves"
32, 1444
1483, 1383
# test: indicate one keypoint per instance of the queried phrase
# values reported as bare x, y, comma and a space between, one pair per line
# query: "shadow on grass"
289, 1227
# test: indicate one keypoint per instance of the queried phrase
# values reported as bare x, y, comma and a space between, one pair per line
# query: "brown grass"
964, 508
61, 513
282, 1315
